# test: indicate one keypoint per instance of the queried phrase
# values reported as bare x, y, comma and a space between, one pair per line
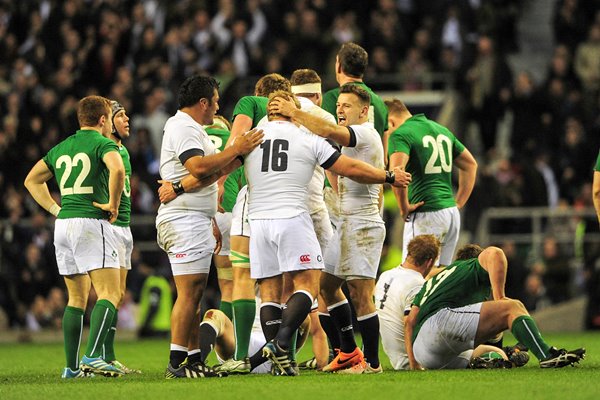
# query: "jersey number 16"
278, 158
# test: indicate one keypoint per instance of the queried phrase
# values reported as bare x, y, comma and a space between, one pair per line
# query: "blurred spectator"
587, 67
535, 293
557, 277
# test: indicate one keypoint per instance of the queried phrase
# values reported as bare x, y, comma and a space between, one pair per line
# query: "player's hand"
165, 191
246, 142
113, 212
217, 235
282, 106
403, 178
411, 208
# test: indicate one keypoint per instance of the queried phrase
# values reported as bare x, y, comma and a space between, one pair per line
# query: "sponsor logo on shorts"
304, 258
319, 258
180, 255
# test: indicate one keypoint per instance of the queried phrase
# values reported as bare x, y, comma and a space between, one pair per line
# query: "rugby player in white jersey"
283, 238
184, 224
354, 253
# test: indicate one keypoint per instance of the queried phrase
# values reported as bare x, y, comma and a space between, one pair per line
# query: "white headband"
307, 88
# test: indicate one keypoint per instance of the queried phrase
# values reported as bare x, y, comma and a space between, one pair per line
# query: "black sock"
297, 308
270, 320
341, 315
176, 357
194, 357
369, 330
329, 328
496, 342
208, 338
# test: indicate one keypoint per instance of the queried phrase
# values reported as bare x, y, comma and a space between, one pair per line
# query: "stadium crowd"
138, 52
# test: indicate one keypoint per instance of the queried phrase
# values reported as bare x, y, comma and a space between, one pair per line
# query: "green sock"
227, 309
72, 325
109, 342
292, 349
526, 331
100, 323
243, 317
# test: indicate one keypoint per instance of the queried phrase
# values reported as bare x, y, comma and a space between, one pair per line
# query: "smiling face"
121, 121
349, 110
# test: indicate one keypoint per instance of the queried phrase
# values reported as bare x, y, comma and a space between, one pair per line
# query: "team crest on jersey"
304, 258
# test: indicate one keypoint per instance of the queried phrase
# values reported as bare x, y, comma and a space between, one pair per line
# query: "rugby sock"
100, 323
270, 321
526, 331
329, 328
341, 314
72, 325
292, 349
208, 338
177, 355
227, 309
109, 343
194, 356
297, 308
369, 330
496, 342
244, 311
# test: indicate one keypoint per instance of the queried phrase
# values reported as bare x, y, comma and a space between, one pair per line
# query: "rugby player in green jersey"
428, 151
90, 175
120, 131
596, 187
451, 316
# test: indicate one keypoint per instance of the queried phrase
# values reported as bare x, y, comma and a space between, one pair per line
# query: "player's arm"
201, 166
116, 182
409, 327
467, 172
340, 134
35, 182
241, 123
399, 160
363, 172
596, 193
493, 260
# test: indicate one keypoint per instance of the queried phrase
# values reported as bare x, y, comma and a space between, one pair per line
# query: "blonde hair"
285, 95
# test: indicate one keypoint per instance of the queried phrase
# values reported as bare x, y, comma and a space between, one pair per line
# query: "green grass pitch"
32, 371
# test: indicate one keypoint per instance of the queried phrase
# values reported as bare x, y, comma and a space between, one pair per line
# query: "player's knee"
77, 301
225, 273
518, 308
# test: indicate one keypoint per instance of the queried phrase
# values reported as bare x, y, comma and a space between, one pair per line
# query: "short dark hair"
91, 108
468, 251
271, 83
359, 92
302, 76
396, 106
353, 59
196, 87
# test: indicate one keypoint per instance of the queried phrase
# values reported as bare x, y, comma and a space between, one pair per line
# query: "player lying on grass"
450, 317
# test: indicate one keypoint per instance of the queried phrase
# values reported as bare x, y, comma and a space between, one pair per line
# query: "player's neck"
91, 128
193, 112
115, 139
409, 265
343, 79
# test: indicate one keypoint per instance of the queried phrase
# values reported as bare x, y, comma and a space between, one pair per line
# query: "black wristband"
241, 159
390, 177
178, 188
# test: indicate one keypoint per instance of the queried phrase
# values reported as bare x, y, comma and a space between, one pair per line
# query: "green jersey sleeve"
124, 218
254, 107
329, 101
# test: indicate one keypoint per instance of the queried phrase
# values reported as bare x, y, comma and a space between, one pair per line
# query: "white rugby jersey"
358, 199
182, 138
280, 169
394, 292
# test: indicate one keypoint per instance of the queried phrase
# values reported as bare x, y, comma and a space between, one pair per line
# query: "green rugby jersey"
124, 218
378, 112
82, 177
254, 107
431, 148
597, 168
460, 284
236, 179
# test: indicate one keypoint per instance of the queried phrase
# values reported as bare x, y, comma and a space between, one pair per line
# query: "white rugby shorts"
446, 339
283, 245
239, 214
224, 224
125, 245
84, 244
443, 224
323, 228
355, 249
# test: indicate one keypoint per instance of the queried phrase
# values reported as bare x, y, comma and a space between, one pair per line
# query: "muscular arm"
362, 172
241, 123
400, 160
596, 193
35, 182
409, 327
467, 171
493, 260
315, 124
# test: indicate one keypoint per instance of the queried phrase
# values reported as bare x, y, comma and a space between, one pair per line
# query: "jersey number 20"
442, 149
278, 158
69, 163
